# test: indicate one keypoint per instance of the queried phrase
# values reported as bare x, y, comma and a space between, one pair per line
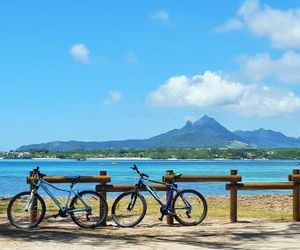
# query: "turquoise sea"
13, 172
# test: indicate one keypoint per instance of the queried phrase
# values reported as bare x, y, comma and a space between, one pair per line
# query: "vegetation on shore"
195, 153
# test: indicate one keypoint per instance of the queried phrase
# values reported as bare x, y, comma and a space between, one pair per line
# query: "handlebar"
142, 175
135, 168
36, 173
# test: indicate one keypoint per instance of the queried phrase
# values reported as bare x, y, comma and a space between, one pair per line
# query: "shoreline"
137, 159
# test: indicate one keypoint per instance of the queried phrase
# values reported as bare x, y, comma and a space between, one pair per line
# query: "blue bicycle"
188, 206
88, 209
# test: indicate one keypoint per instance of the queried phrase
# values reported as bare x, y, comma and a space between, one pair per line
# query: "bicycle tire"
31, 222
96, 205
182, 197
117, 216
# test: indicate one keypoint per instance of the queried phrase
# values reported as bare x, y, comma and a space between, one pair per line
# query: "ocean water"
13, 173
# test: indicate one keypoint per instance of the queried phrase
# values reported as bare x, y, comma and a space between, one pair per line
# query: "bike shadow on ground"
206, 235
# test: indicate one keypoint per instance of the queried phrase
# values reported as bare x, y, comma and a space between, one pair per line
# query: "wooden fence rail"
233, 186
203, 178
124, 188
66, 179
261, 186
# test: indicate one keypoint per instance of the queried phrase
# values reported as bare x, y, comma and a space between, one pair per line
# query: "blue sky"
95, 70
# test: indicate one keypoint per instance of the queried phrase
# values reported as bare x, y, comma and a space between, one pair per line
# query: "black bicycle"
88, 209
188, 206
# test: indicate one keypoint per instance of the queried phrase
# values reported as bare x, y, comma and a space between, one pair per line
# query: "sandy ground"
56, 234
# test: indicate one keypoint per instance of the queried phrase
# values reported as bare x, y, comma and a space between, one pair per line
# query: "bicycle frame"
44, 185
155, 196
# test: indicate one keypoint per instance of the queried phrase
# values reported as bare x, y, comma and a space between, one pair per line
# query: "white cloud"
80, 52
282, 27
261, 66
231, 24
212, 89
208, 89
249, 7
131, 58
114, 97
266, 102
160, 15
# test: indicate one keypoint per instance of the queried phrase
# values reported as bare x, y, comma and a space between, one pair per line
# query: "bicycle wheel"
189, 207
88, 209
129, 209
23, 212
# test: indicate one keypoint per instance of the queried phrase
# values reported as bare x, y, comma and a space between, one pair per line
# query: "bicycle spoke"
190, 207
128, 209
88, 209
23, 214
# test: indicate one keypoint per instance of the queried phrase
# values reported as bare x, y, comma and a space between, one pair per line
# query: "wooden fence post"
296, 216
233, 199
104, 194
170, 219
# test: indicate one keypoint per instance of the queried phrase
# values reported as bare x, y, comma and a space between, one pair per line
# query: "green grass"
218, 209
3, 207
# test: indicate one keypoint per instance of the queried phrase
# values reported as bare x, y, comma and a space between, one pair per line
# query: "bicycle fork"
31, 199
131, 204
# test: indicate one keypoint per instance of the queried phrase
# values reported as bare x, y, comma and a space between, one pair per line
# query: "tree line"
162, 153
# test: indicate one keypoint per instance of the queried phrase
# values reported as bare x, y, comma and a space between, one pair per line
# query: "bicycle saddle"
73, 178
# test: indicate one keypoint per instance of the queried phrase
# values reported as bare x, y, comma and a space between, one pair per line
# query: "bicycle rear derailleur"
164, 212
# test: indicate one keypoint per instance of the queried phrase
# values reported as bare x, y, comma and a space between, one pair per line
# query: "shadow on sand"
228, 236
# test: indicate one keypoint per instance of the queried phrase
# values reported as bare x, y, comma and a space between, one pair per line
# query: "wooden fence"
233, 185
169, 176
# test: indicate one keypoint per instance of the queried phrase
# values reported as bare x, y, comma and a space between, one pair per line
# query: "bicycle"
188, 206
87, 209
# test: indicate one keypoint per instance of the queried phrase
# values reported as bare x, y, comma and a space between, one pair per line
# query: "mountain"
203, 133
268, 138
